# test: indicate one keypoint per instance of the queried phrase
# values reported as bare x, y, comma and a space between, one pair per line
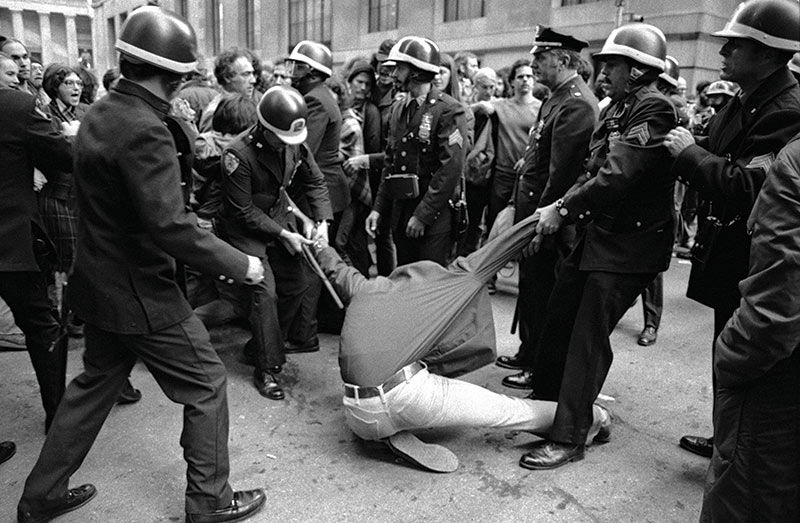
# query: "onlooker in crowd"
550, 165
89, 92
262, 167
37, 76
503, 88
515, 118
279, 74
753, 473
265, 78
424, 158
351, 239
110, 79
235, 73
132, 227
9, 72
19, 53
624, 205
480, 160
198, 93
27, 140
216, 302
728, 167
467, 65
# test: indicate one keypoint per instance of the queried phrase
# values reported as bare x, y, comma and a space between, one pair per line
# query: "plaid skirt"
60, 218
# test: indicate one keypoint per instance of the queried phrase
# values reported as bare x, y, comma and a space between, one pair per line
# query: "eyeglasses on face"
73, 83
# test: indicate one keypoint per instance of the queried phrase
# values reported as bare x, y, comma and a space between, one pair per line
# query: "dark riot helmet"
645, 44
283, 111
672, 71
773, 23
160, 38
420, 53
315, 55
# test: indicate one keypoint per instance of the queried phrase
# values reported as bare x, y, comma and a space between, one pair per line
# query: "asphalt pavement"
315, 469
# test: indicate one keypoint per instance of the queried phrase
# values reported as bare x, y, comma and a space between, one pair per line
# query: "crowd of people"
295, 197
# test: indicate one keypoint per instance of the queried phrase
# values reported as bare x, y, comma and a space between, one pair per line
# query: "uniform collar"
128, 87
772, 85
566, 82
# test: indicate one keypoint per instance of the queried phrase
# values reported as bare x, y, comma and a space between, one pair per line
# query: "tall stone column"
17, 27
72, 40
47, 38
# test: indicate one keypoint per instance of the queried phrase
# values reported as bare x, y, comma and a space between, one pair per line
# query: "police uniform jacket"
727, 169
557, 147
255, 207
432, 146
625, 198
27, 139
324, 125
133, 222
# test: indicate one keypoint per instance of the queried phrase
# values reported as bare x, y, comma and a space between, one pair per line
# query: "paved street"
314, 469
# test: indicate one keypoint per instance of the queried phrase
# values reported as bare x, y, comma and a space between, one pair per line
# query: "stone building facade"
498, 31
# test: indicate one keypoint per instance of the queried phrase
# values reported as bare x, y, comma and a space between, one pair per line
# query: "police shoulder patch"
763, 161
455, 138
639, 133
231, 162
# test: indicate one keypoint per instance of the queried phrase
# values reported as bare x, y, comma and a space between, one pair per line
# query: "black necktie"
411, 110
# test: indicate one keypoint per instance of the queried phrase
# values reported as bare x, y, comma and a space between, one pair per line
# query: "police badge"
424, 132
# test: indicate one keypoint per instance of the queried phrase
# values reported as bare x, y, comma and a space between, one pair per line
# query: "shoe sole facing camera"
434, 458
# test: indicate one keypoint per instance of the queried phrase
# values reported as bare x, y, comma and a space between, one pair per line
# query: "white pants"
429, 400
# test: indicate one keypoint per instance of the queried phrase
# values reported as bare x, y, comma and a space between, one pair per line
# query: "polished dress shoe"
311, 345
510, 362
551, 455
648, 336
75, 498
244, 504
129, 395
523, 380
267, 385
7, 449
699, 445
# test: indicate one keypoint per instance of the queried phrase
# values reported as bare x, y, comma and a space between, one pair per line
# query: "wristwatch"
563, 211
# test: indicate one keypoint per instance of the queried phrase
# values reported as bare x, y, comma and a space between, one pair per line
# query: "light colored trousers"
428, 401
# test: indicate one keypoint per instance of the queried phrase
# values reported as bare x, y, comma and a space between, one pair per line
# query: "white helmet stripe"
737, 30
154, 59
403, 57
313, 63
624, 50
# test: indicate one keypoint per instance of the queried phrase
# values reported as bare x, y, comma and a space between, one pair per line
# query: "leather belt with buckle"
402, 375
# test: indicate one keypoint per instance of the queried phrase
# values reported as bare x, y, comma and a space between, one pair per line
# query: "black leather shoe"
311, 345
267, 385
551, 455
698, 445
523, 380
244, 504
75, 498
7, 449
648, 336
510, 362
129, 395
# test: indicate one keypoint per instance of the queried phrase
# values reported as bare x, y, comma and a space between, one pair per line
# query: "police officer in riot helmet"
424, 158
264, 169
133, 226
623, 205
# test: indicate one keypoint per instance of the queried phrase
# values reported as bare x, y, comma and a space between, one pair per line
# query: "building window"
214, 24
247, 21
382, 15
577, 2
463, 9
310, 20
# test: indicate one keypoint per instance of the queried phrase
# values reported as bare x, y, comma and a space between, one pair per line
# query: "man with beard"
424, 158
551, 164
623, 205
